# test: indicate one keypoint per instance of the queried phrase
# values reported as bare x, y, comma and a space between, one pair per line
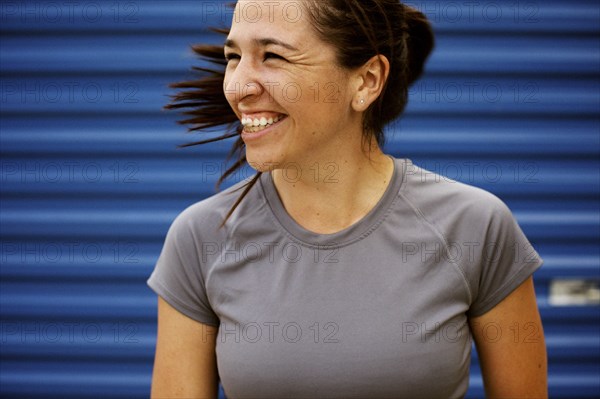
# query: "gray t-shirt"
376, 310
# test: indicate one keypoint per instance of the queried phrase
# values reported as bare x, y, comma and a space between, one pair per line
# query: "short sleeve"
178, 277
506, 260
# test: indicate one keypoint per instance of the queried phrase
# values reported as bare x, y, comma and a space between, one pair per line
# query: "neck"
329, 195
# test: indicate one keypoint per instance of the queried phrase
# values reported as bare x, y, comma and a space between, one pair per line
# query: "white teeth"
255, 125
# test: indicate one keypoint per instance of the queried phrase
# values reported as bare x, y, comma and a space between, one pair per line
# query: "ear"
370, 80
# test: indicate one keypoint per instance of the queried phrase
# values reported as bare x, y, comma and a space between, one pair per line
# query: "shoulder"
452, 205
207, 214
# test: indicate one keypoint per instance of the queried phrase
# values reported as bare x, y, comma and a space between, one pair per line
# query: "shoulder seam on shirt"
198, 256
201, 265
442, 237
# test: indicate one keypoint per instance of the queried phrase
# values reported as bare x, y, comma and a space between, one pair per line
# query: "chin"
261, 162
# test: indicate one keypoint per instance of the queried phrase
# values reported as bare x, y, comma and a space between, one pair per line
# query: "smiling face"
286, 88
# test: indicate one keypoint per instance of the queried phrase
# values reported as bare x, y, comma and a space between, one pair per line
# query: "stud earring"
362, 100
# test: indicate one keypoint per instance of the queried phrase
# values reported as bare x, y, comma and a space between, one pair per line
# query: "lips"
259, 121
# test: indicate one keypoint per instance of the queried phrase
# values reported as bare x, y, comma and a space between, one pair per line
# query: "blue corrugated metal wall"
91, 179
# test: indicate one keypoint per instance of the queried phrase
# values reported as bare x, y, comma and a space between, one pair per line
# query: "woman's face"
284, 85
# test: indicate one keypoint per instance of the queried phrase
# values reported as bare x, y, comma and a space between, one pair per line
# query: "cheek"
288, 85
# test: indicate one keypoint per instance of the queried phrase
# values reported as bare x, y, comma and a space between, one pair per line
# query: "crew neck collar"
350, 234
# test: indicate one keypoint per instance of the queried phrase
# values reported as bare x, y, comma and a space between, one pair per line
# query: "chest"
298, 321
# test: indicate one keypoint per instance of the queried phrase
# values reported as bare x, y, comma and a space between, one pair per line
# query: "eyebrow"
264, 42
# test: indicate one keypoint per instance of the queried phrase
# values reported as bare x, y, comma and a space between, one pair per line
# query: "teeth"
256, 125
263, 121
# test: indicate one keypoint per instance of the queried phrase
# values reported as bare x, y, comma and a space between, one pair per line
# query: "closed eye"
274, 56
231, 56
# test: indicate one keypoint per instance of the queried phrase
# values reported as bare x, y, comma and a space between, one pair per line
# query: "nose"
243, 83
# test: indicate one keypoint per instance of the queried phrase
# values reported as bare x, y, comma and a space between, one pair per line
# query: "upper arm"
185, 362
511, 347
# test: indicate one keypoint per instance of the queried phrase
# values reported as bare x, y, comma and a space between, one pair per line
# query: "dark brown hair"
358, 29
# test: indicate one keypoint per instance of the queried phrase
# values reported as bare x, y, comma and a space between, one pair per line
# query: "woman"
339, 271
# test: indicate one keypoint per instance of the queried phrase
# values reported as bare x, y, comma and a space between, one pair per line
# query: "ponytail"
420, 42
